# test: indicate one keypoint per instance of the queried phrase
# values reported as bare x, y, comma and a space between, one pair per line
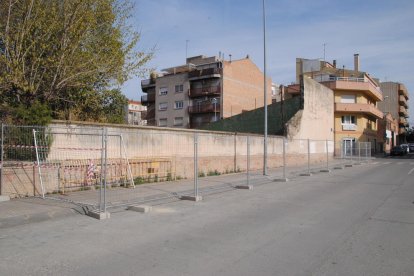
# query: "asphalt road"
356, 221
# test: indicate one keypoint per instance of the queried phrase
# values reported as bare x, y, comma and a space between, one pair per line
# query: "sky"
381, 32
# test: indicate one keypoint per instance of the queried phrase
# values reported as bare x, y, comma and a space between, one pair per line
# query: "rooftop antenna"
324, 51
186, 48
230, 57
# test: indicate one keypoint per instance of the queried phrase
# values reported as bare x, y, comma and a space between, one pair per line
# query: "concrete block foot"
140, 208
99, 215
245, 187
4, 198
192, 198
305, 174
281, 180
325, 170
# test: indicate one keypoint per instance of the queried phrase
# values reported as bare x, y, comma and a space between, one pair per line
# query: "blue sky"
381, 32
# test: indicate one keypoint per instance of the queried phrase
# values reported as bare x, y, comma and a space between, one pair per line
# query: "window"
178, 121
162, 122
179, 88
348, 120
163, 91
179, 105
348, 99
163, 106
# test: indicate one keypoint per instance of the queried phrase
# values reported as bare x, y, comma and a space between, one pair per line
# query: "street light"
265, 92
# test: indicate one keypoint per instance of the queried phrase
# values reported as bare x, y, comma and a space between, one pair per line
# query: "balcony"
196, 122
403, 101
149, 115
403, 111
355, 84
145, 84
403, 121
204, 91
359, 108
402, 130
402, 90
204, 73
204, 108
147, 99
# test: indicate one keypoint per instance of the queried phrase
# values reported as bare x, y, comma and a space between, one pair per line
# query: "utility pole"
265, 92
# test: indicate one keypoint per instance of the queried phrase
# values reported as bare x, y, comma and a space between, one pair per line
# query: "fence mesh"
80, 162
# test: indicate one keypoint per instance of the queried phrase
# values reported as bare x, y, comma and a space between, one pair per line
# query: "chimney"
356, 62
334, 63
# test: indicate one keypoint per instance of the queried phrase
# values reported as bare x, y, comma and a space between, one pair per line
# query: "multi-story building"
136, 113
204, 90
355, 102
396, 103
387, 132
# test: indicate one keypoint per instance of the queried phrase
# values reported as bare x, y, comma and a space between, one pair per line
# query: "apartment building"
356, 95
387, 132
136, 113
396, 103
204, 90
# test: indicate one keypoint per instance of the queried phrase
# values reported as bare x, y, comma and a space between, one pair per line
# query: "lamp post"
265, 92
214, 101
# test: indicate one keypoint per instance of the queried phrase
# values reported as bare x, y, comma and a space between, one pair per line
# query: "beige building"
356, 95
396, 103
136, 113
204, 90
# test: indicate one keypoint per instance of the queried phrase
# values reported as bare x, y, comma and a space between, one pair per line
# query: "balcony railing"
355, 84
147, 83
403, 101
205, 91
147, 99
204, 108
359, 108
209, 72
349, 127
403, 121
403, 91
198, 121
402, 130
403, 111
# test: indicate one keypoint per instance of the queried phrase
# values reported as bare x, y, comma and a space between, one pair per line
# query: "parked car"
411, 147
398, 150
406, 147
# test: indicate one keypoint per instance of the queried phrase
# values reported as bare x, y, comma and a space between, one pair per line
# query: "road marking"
374, 163
400, 163
411, 171
387, 163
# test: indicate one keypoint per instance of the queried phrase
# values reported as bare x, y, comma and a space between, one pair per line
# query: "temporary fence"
54, 161
109, 167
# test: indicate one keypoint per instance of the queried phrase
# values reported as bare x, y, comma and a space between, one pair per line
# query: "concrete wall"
155, 153
316, 120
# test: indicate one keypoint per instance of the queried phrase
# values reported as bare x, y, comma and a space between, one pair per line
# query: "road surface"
355, 221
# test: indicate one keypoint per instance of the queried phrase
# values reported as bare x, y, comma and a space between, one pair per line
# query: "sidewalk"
30, 210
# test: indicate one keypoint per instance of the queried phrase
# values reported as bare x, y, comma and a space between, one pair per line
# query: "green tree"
62, 53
